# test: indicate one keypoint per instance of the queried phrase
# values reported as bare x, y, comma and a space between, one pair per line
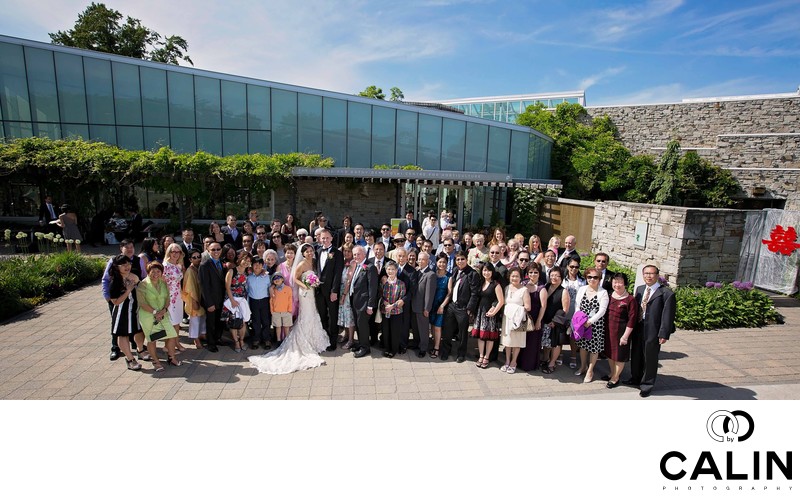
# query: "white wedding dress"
300, 350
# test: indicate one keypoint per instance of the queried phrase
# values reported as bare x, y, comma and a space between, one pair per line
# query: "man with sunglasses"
601, 263
386, 237
465, 288
212, 293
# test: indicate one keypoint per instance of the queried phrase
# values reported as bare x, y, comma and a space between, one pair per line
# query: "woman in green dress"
153, 297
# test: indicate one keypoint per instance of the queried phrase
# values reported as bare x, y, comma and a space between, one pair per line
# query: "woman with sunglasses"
592, 300
191, 298
572, 283
173, 274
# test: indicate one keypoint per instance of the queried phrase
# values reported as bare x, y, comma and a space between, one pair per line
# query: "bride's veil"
298, 259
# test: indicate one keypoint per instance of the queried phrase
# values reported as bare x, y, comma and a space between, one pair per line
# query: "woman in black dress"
555, 298
528, 359
487, 324
124, 321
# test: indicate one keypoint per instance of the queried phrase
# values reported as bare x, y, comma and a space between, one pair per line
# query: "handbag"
235, 320
529, 325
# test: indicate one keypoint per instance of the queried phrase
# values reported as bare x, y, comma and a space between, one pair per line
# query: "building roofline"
527, 96
281, 86
432, 177
706, 100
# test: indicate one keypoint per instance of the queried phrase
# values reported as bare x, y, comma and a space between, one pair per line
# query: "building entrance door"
426, 198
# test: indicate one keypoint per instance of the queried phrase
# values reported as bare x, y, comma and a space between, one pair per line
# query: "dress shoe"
254, 346
402, 351
330, 348
115, 355
420, 354
361, 352
212, 348
460, 359
630, 382
444, 357
645, 394
612, 385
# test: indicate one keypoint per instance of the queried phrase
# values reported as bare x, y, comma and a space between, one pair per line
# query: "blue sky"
617, 51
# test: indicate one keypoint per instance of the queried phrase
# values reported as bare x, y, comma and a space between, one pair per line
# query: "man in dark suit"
601, 263
379, 262
460, 313
422, 302
405, 273
47, 213
212, 294
657, 304
386, 237
363, 295
330, 263
499, 267
187, 244
232, 234
569, 252
410, 222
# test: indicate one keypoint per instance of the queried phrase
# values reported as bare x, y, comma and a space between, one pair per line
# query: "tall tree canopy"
373, 92
99, 28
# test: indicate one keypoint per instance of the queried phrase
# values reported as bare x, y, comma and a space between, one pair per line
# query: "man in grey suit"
422, 302
657, 304
363, 295
212, 295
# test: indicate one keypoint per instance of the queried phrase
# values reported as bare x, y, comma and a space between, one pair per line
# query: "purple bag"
581, 329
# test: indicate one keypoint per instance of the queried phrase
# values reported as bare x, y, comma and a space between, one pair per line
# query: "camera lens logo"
721, 423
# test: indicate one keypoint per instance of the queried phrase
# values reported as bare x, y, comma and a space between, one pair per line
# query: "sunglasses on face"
195, 257
574, 267
523, 260
592, 277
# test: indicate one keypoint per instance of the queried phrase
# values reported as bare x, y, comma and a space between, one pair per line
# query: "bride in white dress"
300, 350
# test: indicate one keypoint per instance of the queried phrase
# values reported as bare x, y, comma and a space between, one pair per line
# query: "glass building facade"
61, 92
506, 108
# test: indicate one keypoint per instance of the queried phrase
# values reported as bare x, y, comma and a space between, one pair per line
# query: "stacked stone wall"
366, 202
690, 246
747, 133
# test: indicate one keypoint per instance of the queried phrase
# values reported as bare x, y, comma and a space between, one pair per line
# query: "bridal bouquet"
311, 281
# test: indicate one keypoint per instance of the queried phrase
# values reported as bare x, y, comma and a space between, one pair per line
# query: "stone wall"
758, 132
371, 203
689, 245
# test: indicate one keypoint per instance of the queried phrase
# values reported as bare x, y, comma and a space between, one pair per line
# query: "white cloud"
675, 92
592, 80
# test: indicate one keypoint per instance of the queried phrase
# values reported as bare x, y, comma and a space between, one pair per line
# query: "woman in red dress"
623, 313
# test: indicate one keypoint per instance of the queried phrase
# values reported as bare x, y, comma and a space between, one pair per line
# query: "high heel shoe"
174, 362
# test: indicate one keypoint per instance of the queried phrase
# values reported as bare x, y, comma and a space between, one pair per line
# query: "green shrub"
28, 281
719, 306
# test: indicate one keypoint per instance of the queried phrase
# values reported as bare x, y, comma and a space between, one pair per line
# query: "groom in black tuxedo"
330, 263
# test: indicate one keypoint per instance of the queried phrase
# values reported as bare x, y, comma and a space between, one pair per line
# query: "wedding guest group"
425, 288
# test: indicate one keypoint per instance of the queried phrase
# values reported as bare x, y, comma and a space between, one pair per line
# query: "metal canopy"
459, 178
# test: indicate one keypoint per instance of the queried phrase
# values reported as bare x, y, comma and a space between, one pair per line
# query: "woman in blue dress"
440, 300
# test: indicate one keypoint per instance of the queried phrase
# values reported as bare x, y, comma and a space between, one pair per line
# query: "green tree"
98, 28
664, 188
171, 51
396, 94
372, 92
701, 182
